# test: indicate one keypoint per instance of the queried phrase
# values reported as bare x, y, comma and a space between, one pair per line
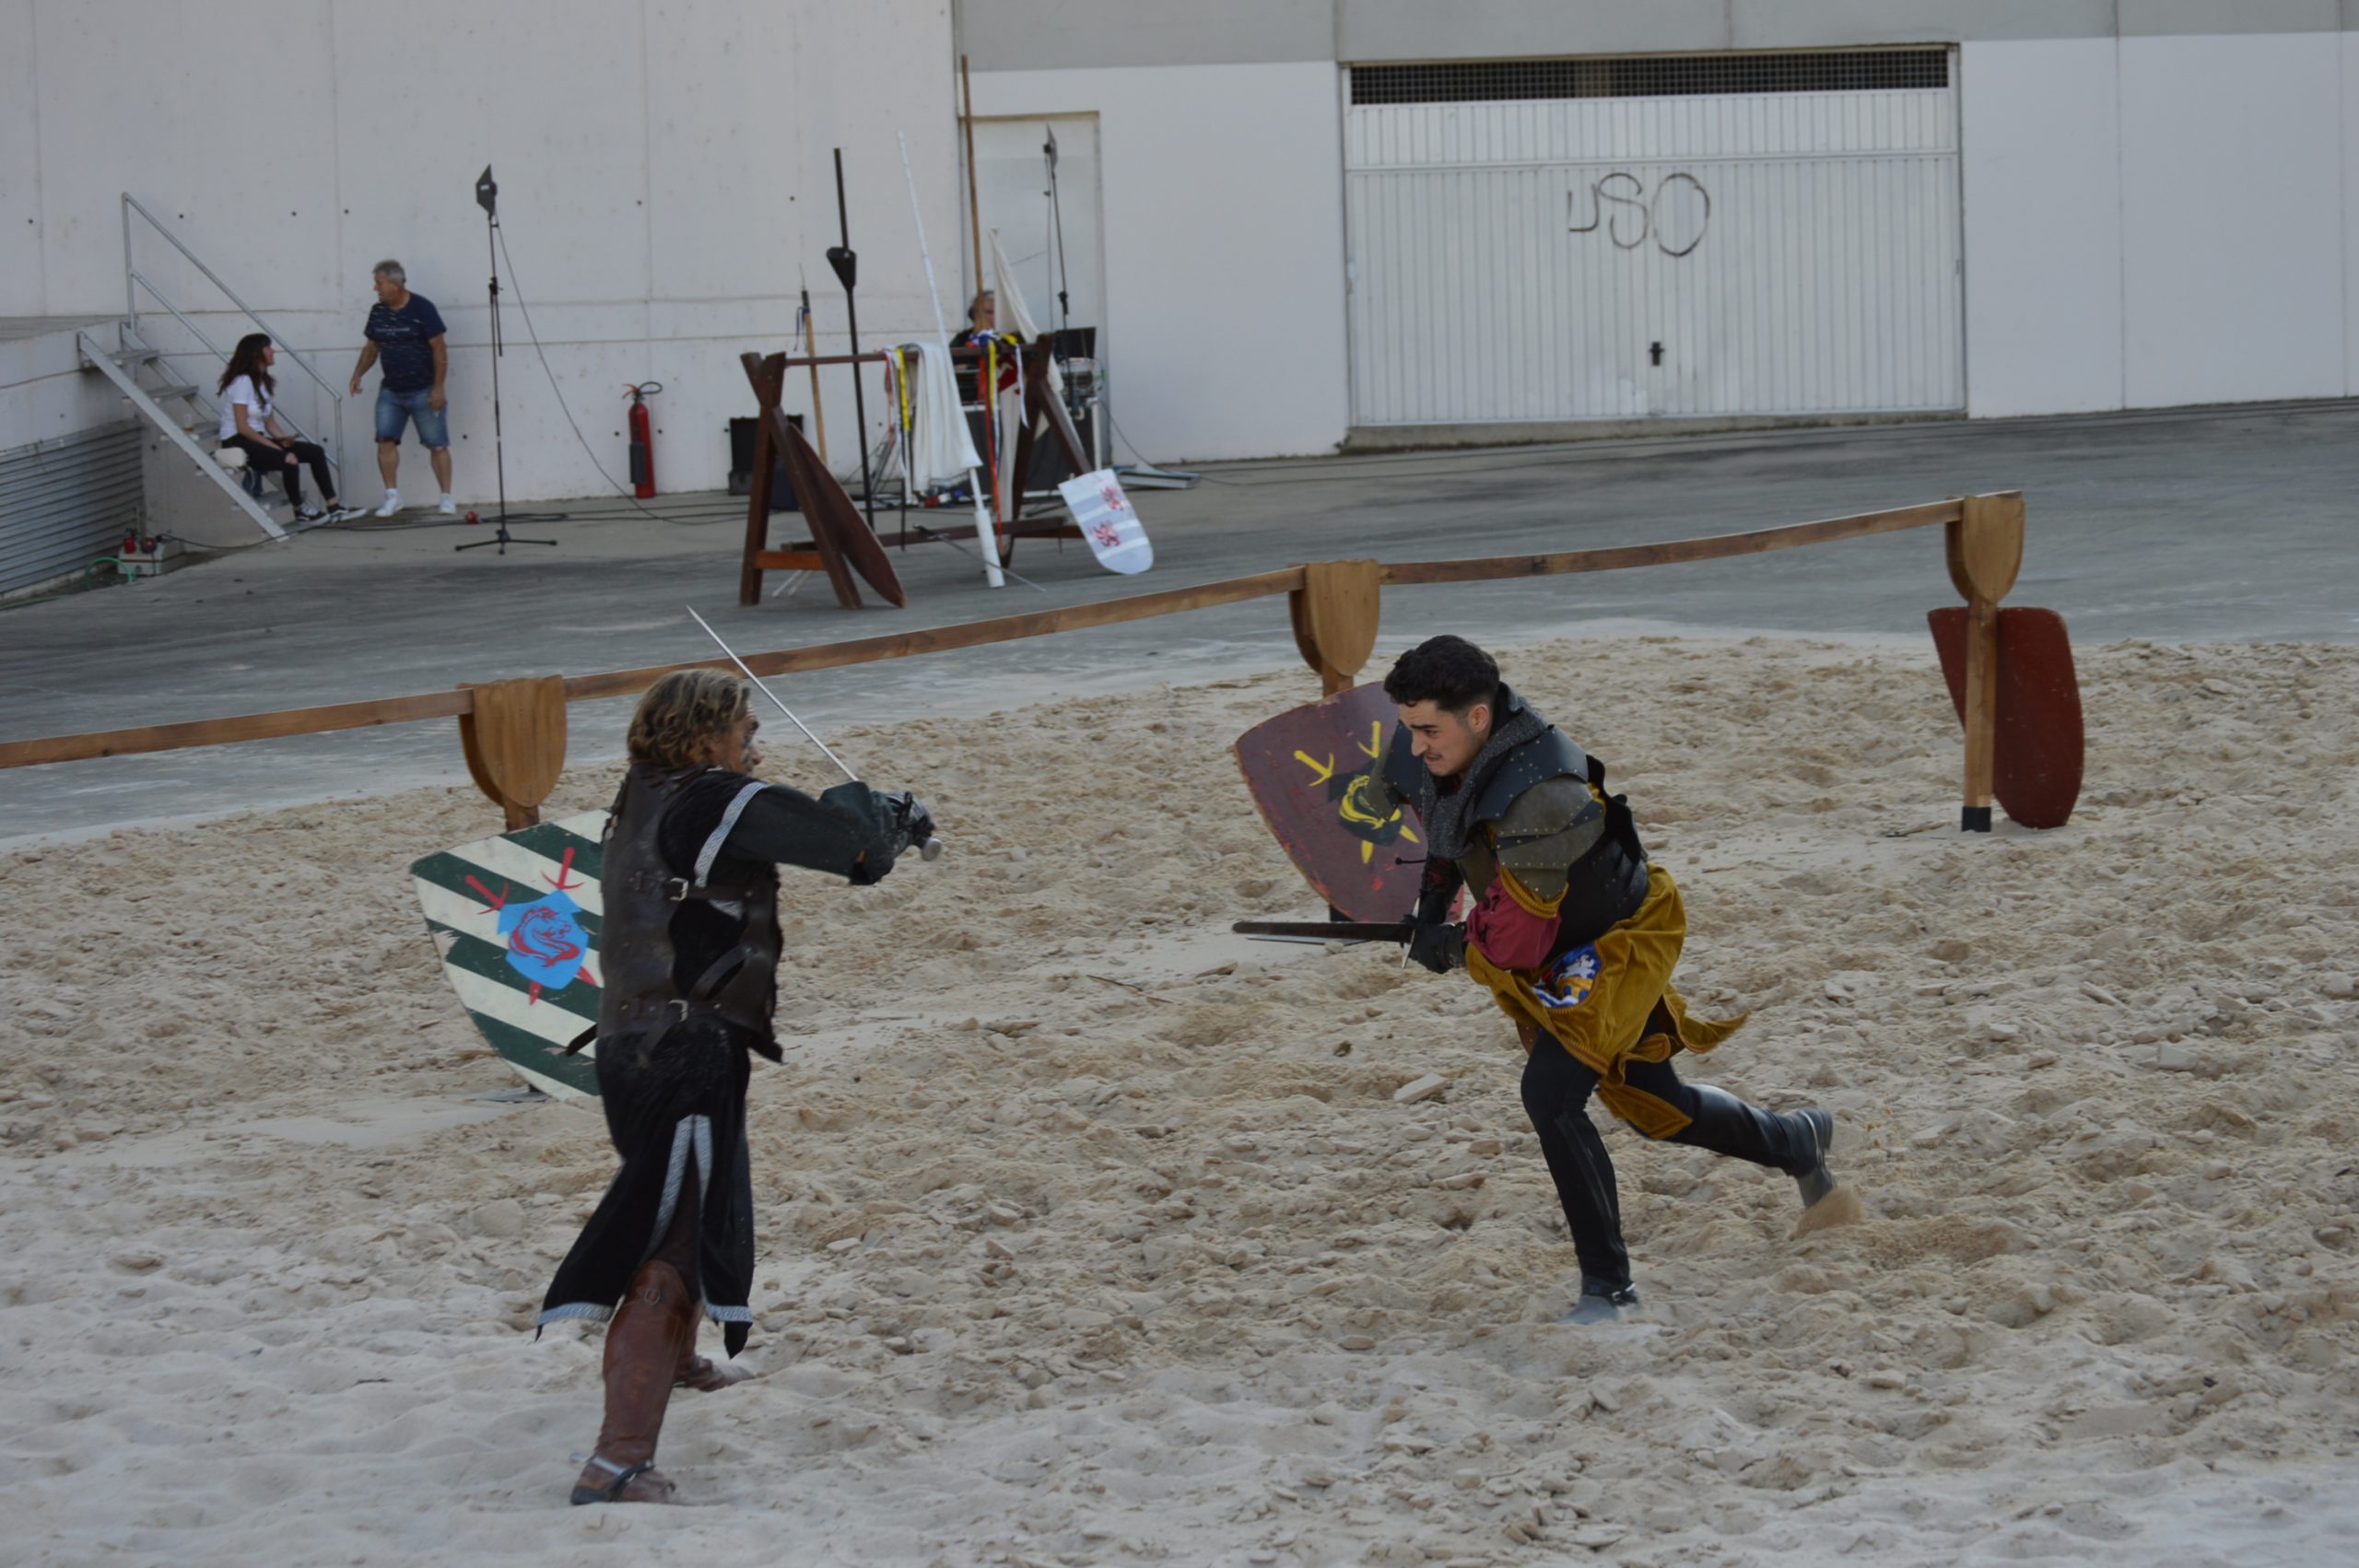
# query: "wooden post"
811, 348
1985, 549
1335, 612
974, 204
769, 377
514, 741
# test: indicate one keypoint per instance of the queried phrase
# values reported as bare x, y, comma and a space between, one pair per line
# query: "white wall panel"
1569, 259
2348, 50
2232, 228
2042, 151
1012, 179
1224, 330
663, 169
20, 247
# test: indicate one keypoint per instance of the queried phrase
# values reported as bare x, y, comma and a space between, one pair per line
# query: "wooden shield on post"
516, 917
514, 741
1309, 770
2039, 739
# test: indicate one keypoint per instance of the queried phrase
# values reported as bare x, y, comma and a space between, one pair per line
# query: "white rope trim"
681, 1134
589, 1311
728, 1314
712, 851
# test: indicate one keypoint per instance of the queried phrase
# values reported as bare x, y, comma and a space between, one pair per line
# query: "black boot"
1793, 1141
1601, 1302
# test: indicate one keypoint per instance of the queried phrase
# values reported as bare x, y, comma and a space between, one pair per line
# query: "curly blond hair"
684, 710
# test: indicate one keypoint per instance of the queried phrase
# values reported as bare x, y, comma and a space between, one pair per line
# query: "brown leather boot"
652, 1331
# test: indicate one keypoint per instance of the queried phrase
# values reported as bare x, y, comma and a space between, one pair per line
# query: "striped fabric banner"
516, 917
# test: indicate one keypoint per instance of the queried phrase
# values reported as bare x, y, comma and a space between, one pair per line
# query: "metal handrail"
198, 332
131, 301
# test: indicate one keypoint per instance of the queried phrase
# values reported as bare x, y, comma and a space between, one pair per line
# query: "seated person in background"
982, 321
982, 317
249, 422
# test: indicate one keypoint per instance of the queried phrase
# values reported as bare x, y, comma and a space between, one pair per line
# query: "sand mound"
1085, 1240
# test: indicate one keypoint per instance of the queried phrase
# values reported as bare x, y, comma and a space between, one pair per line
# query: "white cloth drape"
941, 452
1015, 313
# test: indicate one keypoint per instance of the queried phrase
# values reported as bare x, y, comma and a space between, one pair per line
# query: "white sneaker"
447, 506
393, 503
310, 514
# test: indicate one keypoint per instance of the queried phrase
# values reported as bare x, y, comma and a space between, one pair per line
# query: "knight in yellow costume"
1575, 935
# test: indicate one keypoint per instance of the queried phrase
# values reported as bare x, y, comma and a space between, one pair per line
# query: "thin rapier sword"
930, 850
771, 694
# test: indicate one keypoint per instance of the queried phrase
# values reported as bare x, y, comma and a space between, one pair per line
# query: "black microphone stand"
846, 263
488, 198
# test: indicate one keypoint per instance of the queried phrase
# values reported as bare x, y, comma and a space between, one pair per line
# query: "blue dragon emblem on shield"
546, 944
1570, 980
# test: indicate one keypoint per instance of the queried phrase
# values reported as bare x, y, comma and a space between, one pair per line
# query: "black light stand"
1057, 221
846, 263
488, 198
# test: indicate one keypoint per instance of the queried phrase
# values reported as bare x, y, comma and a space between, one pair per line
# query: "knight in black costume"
689, 950
1575, 934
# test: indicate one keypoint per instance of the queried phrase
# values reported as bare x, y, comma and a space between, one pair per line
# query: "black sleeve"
846, 831
1438, 886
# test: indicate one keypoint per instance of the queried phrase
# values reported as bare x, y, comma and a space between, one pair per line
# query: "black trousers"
675, 1110
1556, 1089
289, 463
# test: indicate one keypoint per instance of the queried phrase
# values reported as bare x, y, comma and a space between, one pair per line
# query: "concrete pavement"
2231, 525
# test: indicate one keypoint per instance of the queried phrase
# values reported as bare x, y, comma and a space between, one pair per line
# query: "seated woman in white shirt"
249, 422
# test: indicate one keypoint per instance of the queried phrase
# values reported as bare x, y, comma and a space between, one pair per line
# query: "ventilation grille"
1662, 75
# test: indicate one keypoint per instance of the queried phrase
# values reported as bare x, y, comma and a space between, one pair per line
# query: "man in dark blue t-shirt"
405, 332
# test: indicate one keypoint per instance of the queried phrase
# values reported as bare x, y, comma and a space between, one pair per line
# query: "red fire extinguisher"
642, 440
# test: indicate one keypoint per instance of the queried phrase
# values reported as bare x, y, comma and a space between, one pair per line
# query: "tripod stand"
488, 198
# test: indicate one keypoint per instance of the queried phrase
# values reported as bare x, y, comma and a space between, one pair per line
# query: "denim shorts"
395, 409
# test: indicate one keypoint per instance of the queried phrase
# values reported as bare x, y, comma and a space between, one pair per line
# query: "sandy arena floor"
1092, 1233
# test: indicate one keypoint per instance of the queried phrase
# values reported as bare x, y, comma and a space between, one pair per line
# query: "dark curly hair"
682, 711
246, 360
1448, 671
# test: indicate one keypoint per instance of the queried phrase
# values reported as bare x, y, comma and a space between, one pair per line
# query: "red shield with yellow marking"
1309, 770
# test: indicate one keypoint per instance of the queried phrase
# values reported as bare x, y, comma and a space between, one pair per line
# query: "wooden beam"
944, 639
248, 727
975, 634
1713, 547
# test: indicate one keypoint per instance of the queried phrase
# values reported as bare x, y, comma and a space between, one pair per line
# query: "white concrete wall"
2231, 219
663, 167
2154, 221
2040, 149
1223, 254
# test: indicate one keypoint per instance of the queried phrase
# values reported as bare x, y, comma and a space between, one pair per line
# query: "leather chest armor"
641, 893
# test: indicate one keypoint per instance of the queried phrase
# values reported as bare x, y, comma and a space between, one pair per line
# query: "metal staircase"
122, 371
142, 372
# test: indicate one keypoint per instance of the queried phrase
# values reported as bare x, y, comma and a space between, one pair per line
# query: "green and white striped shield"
516, 917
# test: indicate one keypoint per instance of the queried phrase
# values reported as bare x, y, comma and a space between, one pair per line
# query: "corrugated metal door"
1614, 240
64, 501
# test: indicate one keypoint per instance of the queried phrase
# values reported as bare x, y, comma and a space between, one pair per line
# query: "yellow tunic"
1629, 1009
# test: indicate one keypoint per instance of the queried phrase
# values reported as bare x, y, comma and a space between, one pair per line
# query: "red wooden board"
2036, 769
1308, 770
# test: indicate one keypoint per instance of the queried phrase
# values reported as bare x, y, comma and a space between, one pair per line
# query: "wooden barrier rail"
513, 731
